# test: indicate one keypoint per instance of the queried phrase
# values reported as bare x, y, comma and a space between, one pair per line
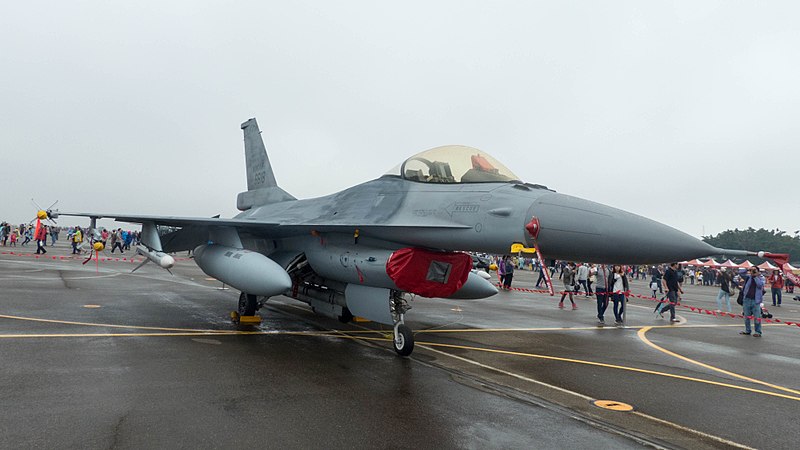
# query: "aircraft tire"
404, 340
248, 304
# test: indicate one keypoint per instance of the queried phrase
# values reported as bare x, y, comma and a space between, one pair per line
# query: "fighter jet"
367, 250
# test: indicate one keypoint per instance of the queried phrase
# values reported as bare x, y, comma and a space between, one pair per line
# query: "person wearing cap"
776, 280
752, 296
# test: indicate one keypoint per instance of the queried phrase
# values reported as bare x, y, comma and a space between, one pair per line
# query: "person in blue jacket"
752, 297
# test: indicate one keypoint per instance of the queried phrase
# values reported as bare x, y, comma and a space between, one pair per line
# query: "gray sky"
684, 112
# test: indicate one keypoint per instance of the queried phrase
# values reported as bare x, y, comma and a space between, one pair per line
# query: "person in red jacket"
776, 280
41, 238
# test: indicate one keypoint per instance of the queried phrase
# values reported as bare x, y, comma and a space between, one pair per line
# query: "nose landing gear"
403, 339
403, 336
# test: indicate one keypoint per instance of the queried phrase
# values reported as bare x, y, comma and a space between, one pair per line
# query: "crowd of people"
23, 234
611, 284
119, 239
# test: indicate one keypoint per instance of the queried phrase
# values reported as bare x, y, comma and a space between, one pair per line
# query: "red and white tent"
767, 266
710, 263
746, 264
694, 262
729, 264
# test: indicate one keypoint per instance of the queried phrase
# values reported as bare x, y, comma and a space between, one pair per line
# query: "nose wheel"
403, 339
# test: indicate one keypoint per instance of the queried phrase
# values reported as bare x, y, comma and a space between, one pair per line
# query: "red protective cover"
409, 268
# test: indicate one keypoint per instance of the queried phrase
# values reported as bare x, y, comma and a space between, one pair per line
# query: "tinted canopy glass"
453, 164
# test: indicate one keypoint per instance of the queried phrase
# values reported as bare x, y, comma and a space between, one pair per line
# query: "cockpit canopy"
453, 164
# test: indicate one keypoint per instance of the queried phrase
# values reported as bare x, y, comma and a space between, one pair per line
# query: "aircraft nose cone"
582, 230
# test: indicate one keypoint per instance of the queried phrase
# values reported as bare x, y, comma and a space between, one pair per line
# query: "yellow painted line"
191, 333
610, 366
107, 325
610, 327
641, 334
92, 306
81, 335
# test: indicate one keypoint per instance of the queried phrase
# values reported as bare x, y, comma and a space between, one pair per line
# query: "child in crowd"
13, 238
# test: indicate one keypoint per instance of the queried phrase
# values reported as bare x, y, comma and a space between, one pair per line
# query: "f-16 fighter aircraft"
364, 251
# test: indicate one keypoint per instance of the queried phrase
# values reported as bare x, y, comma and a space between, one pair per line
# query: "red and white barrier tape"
695, 309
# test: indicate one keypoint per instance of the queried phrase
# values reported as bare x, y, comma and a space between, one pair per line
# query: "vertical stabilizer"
262, 189
259, 170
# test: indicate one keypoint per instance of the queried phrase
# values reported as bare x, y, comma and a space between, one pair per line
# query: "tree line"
774, 241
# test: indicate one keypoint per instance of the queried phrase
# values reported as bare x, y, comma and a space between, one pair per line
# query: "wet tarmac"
102, 358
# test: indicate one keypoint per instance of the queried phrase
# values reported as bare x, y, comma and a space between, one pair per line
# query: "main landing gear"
246, 313
403, 336
248, 304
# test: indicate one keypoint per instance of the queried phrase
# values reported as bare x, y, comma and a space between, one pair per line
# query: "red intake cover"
428, 273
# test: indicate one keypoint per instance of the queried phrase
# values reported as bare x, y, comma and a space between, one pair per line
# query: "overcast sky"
684, 112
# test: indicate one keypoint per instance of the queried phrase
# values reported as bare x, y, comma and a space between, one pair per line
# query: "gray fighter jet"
368, 249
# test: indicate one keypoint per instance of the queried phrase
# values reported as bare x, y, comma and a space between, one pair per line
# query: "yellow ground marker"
249, 319
613, 405
92, 306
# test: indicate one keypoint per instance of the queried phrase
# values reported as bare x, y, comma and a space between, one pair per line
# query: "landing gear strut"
403, 336
346, 316
248, 304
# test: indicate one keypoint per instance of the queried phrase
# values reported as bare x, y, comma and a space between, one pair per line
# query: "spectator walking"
592, 277
509, 273
41, 239
670, 282
53, 236
568, 278
618, 286
116, 240
724, 293
601, 292
542, 268
501, 271
752, 296
28, 234
77, 240
583, 278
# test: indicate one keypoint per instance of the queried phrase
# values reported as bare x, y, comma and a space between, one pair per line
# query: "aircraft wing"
253, 223
174, 221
